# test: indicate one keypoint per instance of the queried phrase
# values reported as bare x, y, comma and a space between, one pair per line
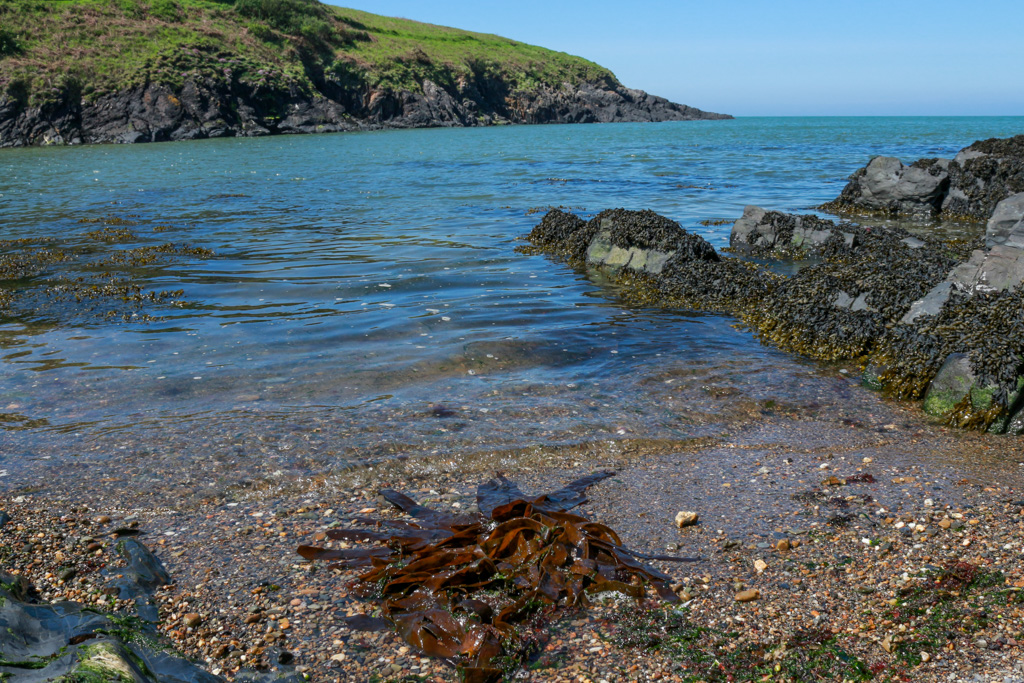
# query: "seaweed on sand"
462, 587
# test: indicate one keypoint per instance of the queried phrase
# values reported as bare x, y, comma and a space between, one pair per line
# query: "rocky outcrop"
984, 174
929, 319
212, 108
774, 234
887, 186
969, 186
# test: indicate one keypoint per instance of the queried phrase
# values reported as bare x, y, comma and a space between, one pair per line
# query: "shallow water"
366, 300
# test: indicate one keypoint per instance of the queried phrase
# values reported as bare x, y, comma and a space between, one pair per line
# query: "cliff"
82, 71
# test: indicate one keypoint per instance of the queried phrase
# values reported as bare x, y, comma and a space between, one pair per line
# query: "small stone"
748, 595
886, 644
67, 574
925, 657
253, 618
340, 657
284, 624
783, 545
191, 620
685, 518
945, 523
760, 566
285, 658
103, 519
221, 652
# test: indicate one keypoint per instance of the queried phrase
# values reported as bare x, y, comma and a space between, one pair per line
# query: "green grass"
53, 50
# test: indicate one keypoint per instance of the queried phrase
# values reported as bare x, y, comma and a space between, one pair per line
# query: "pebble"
191, 620
748, 595
685, 518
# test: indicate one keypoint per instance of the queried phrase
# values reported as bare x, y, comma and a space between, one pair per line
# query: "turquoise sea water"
366, 299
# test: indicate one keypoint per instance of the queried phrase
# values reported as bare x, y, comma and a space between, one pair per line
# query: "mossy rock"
103, 662
953, 382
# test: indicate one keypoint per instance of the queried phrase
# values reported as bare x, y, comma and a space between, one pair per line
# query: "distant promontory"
81, 71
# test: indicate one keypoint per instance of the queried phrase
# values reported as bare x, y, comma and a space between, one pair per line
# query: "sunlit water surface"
366, 299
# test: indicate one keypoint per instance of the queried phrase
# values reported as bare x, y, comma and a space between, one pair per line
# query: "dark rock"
984, 174
211, 108
70, 640
4, 518
771, 233
887, 186
643, 241
143, 575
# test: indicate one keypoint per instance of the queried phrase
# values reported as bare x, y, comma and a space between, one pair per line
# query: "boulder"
952, 383
1007, 220
643, 241
984, 174
888, 186
772, 233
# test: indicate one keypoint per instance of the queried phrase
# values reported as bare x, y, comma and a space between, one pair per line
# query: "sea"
365, 299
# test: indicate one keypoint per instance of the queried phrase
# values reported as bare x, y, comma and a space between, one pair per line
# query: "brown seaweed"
462, 587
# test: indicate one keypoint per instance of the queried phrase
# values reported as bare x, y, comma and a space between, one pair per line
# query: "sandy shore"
879, 547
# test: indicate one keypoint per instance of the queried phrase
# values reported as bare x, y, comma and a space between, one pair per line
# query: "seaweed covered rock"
887, 186
775, 234
840, 308
643, 241
984, 174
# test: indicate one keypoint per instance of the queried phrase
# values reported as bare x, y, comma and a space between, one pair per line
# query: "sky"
774, 57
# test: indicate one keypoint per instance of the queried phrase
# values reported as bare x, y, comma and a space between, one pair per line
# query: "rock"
1007, 223
103, 519
760, 566
192, 620
925, 657
783, 545
886, 643
887, 186
212, 107
70, 641
771, 233
685, 518
4, 518
643, 241
954, 379
748, 595
143, 575
984, 174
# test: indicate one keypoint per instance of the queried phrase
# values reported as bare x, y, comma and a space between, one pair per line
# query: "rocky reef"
933, 319
967, 187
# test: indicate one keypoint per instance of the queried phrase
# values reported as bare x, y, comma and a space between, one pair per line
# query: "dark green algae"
802, 313
88, 277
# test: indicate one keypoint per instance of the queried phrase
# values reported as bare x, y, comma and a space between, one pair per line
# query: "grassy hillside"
96, 47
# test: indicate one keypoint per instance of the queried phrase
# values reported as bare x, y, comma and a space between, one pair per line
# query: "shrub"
8, 43
284, 15
165, 9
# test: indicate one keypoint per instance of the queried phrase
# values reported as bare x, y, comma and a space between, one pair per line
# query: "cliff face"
208, 108
187, 69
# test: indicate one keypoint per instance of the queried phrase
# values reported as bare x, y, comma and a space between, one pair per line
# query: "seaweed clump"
461, 587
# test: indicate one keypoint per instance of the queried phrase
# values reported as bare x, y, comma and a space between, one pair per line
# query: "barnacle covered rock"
1006, 225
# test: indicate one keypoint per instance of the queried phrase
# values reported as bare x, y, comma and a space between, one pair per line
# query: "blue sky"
775, 57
